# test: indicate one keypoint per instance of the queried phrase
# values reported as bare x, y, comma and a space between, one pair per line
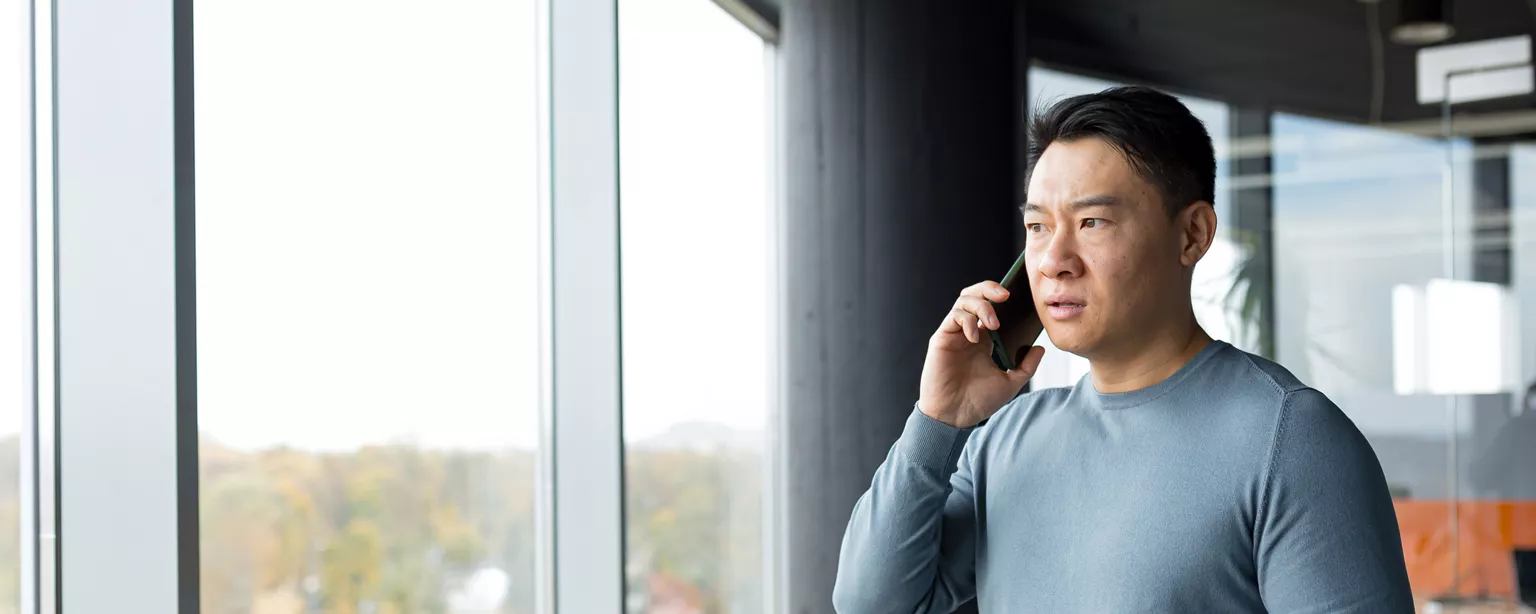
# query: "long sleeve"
911, 542
1326, 533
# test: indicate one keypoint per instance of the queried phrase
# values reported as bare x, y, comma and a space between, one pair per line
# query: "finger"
980, 309
1028, 362
963, 321
987, 289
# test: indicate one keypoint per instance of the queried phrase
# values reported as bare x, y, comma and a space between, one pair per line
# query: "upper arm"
1326, 533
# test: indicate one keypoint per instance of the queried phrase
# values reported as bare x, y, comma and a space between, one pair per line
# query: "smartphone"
1018, 322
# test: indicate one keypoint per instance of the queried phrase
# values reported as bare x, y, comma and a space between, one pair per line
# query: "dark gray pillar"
900, 190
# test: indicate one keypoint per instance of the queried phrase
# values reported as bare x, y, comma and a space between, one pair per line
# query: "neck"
1152, 361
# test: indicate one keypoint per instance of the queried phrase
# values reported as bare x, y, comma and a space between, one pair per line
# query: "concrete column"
901, 125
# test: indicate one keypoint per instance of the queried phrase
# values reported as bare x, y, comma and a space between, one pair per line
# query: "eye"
1035, 227
1094, 222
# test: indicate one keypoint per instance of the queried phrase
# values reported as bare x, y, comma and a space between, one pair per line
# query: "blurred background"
535, 306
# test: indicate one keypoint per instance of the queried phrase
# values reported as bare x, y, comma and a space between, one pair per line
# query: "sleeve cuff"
932, 444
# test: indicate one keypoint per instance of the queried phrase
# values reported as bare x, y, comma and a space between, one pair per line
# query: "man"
1180, 475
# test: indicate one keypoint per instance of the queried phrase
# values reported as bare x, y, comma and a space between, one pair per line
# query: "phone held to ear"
1018, 322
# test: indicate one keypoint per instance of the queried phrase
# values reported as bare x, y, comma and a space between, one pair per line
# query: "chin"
1064, 340
1070, 341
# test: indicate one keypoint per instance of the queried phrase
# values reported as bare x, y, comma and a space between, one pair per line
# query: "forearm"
908, 543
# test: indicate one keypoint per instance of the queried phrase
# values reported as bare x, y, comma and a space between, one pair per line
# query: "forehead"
1071, 170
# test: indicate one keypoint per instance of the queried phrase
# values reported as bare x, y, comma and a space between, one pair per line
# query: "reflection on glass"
367, 316
15, 291
1357, 212
1216, 290
1498, 505
1361, 234
694, 212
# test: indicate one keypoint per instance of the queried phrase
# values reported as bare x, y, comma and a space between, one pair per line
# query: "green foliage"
393, 529
383, 529
10, 525
695, 529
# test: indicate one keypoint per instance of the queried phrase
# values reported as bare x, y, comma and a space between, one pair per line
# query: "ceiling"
1305, 56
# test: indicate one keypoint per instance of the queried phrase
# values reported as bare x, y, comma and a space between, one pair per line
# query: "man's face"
1104, 259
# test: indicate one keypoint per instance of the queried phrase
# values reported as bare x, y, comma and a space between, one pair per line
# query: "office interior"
538, 306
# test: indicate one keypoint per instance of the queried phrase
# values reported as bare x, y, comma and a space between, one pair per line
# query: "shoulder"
1303, 419
1311, 424
1256, 372
1317, 453
1266, 410
1243, 394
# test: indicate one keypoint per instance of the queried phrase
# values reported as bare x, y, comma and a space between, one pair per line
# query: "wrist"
940, 413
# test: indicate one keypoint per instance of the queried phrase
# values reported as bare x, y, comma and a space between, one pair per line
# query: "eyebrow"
1100, 200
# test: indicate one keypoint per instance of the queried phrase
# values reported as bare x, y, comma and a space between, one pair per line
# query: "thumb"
1028, 361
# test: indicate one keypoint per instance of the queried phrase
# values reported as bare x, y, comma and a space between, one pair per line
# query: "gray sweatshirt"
1228, 487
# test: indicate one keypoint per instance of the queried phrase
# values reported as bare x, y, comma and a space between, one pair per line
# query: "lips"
1064, 307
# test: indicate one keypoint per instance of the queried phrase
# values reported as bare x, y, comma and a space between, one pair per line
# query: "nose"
1058, 257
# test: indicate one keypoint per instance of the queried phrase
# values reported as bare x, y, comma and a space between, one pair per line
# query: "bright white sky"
694, 155
15, 281
367, 225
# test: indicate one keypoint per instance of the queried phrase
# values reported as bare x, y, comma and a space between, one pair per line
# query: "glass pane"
1366, 301
1358, 211
1497, 461
367, 305
1522, 173
697, 288
1217, 273
15, 286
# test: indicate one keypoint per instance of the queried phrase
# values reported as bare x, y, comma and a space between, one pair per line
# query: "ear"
1197, 229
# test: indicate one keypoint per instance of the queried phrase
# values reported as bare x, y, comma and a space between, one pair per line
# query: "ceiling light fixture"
1423, 22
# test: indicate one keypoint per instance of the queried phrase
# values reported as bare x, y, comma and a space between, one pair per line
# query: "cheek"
1121, 272
1110, 266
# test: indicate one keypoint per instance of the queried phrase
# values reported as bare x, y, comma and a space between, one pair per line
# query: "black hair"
1161, 140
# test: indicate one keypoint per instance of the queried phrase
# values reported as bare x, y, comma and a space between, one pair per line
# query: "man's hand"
961, 386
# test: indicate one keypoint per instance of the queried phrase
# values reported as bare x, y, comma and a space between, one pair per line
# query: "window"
698, 329
1357, 211
367, 236
16, 322
1362, 229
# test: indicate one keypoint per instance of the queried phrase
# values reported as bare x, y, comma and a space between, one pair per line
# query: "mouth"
1064, 309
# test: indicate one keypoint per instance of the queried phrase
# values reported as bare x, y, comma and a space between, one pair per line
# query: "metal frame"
776, 537
587, 443
44, 453
189, 542
544, 480
33, 540
757, 15
117, 368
